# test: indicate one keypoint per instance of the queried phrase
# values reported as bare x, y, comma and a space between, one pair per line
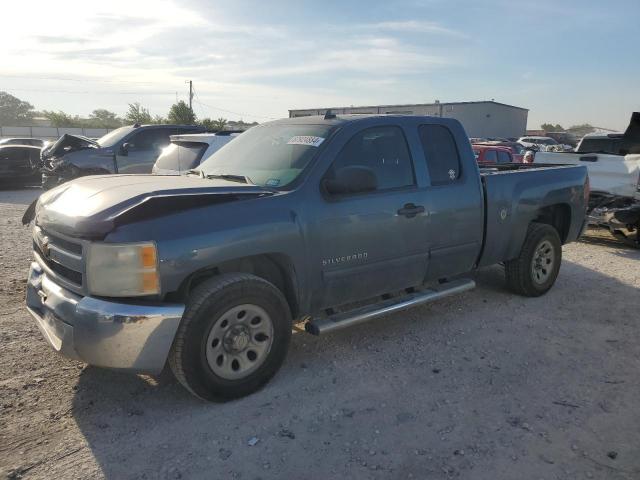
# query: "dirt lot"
485, 385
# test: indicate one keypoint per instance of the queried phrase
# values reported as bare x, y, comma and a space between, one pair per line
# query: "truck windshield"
268, 155
114, 137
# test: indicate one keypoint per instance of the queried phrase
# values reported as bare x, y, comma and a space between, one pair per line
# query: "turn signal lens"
148, 256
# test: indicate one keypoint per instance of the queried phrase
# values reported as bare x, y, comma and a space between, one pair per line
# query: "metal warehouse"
480, 119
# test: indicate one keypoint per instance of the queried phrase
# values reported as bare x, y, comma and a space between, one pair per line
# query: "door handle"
410, 210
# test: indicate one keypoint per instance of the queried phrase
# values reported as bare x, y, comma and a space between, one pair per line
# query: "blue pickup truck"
331, 221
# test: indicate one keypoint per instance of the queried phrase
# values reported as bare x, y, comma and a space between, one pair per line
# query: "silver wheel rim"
239, 341
543, 262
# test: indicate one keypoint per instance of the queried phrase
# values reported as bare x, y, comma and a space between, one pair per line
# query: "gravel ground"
484, 385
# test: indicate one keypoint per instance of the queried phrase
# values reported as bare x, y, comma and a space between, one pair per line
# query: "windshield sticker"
273, 182
308, 140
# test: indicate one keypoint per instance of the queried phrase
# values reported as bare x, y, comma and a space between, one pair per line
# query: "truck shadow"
150, 427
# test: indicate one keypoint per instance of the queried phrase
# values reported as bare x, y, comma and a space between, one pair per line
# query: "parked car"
517, 150
35, 142
614, 171
492, 154
132, 149
186, 152
536, 142
329, 220
563, 138
19, 165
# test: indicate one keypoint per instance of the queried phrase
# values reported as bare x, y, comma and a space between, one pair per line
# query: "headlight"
123, 270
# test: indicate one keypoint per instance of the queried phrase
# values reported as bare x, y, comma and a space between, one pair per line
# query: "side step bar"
369, 312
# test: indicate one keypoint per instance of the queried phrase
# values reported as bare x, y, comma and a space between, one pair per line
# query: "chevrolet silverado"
331, 221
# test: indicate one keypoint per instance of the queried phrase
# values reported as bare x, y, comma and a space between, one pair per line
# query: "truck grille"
61, 256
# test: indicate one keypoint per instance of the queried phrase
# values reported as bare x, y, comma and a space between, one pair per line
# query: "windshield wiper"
193, 171
231, 177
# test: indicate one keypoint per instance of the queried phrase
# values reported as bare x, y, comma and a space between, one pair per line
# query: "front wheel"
233, 337
535, 270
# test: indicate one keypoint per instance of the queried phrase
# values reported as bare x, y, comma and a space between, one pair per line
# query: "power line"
70, 79
197, 100
141, 92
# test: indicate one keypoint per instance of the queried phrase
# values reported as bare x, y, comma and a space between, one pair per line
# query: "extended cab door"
454, 199
369, 243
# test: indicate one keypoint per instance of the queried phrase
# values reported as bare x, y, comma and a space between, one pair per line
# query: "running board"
369, 312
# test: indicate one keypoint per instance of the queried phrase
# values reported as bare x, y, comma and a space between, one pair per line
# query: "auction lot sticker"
308, 140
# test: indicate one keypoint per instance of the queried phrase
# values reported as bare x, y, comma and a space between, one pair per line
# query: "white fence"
51, 132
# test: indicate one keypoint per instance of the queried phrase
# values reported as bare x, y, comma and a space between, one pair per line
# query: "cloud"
414, 26
157, 44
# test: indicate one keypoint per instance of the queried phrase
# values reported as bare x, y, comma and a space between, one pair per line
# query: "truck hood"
67, 143
91, 207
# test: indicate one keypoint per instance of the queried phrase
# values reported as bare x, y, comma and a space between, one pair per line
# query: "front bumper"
127, 336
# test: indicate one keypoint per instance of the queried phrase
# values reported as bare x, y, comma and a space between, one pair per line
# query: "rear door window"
600, 145
490, 156
503, 157
180, 156
441, 154
14, 155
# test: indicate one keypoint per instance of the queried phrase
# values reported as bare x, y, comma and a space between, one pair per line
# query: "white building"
480, 119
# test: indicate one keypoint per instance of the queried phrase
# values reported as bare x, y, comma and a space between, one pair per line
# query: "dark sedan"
19, 165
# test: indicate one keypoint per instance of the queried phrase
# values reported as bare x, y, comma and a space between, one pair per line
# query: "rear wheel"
233, 337
535, 270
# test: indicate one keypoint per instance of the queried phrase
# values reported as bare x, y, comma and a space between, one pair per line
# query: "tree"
14, 111
220, 123
62, 119
137, 114
182, 114
214, 125
550, 127
101, 118
159, 119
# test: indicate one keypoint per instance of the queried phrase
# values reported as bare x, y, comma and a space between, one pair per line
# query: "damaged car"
130, 149
614, 172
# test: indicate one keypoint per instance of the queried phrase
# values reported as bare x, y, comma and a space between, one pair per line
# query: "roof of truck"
481, 146
201, 137
604, 135
342, 119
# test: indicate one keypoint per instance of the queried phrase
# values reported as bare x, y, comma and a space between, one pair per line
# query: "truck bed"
514, 195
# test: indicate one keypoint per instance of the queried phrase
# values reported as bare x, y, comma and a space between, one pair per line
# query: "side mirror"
124, 149
354, 179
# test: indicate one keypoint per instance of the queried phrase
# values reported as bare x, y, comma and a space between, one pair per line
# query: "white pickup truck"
614, 179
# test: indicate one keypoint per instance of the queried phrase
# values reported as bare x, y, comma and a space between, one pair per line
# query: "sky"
568, 62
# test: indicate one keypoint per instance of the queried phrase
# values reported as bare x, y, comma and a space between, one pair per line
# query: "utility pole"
190, 94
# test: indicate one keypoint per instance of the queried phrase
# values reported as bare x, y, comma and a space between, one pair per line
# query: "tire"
526, 275
214, 327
